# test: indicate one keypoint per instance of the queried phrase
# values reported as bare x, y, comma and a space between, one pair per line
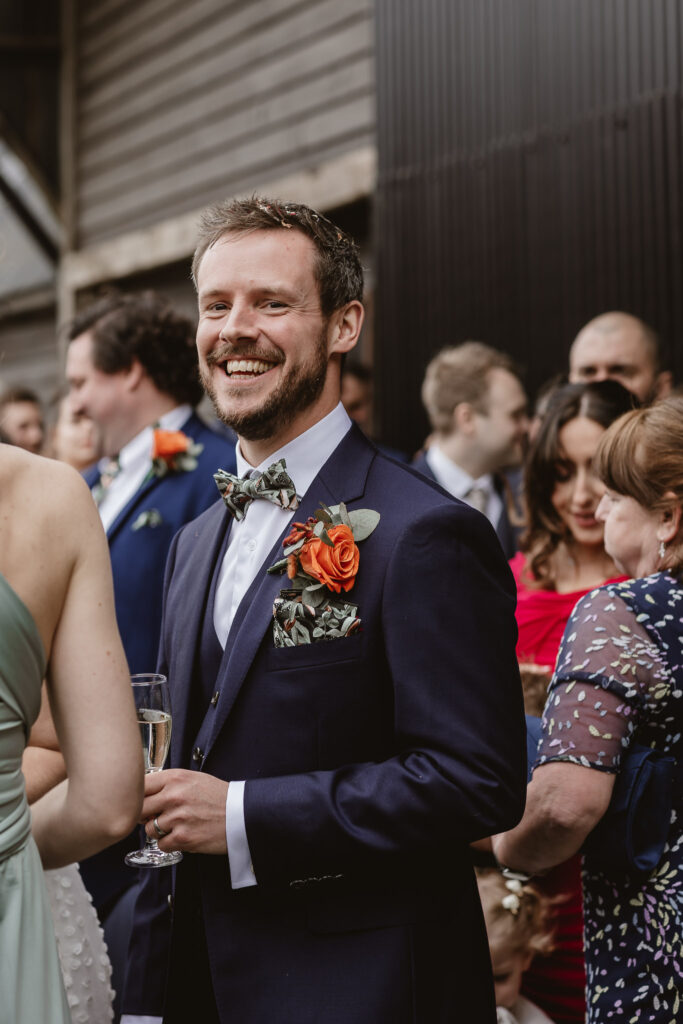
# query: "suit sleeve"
459, 768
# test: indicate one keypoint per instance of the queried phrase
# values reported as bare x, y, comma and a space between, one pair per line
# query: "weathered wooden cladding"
28, 351
180, 103
530, 159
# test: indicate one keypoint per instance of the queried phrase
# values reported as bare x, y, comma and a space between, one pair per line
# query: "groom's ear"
344, 328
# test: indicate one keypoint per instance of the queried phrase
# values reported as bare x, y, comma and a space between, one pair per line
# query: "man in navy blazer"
132, 366
478, 412
332, 764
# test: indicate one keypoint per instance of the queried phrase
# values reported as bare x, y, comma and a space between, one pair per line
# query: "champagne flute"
153, 706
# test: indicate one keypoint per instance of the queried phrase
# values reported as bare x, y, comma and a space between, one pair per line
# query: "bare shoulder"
25, 467
42, 489
48, 524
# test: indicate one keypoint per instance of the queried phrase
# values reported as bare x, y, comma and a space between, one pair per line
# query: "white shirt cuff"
239, 854
131, 1018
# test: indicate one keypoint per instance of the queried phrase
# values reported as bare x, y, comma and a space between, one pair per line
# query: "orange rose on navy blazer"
335, 567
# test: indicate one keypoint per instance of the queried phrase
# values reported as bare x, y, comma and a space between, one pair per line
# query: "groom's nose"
240, 323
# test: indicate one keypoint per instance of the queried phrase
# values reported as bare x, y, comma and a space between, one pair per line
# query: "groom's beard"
297, 390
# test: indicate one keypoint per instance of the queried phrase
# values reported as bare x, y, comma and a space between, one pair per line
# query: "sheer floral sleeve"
608, 678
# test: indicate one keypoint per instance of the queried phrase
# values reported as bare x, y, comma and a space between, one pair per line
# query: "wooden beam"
26, 216
66, 298
35, 300
333, 184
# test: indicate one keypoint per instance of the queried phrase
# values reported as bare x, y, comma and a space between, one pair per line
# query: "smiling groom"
346, 724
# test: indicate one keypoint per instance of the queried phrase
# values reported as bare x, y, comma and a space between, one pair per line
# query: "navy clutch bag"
633, 831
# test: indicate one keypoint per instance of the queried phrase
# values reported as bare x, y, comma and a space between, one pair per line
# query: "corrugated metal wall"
178, 104
530, 173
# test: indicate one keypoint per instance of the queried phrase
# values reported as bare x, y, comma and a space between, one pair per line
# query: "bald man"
622, 347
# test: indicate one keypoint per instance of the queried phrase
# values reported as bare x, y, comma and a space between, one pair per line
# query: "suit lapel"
193, 428
91, 476
342, 478
126, 512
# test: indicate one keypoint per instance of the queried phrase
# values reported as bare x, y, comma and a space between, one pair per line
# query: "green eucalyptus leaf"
294, 547
363, 522
344, 515
314, 595
323, 516
279, 566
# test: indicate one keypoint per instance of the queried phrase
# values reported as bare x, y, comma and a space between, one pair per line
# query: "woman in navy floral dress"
618, 680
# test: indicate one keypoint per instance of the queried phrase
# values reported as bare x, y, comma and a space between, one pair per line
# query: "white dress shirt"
135, 461
457, 482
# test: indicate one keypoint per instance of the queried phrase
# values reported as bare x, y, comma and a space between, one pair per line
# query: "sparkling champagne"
155, 729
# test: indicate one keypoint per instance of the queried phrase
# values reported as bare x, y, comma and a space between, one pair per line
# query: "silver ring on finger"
159, 830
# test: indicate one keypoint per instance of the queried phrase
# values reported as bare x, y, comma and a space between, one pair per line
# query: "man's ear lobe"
346, 327
463, 417
664, 384
134, 375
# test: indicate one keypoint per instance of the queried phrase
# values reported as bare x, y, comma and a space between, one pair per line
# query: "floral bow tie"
274, 485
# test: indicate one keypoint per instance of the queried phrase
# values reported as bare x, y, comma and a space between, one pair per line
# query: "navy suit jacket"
138, 559
371, 763
508, 535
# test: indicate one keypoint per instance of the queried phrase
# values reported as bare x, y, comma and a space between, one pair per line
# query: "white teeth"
246, 366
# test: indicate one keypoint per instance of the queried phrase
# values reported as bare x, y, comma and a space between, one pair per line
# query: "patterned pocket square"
296, 623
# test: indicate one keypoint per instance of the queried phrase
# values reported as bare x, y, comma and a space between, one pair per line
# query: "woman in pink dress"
563, 558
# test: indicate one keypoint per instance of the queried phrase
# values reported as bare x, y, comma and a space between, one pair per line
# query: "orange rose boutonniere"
334, 566
173, 452
321, 560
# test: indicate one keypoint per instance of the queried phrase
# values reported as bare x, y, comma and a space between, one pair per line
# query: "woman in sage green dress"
56, 622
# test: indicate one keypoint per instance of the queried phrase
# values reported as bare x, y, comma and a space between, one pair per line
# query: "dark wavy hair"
338, 268
601, 401
143, 326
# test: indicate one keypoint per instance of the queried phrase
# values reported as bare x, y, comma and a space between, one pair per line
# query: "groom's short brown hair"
338, 268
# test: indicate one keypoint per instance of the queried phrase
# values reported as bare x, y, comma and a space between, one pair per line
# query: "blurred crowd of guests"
71, 438
550, 479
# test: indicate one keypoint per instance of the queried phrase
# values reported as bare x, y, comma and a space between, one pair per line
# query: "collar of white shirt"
457, 482
135, 461
307, 453
451, 477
